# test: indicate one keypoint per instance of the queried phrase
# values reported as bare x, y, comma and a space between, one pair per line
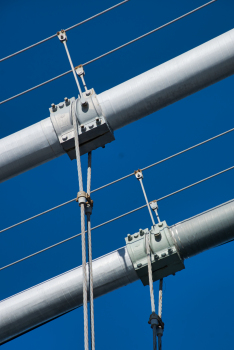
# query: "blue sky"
198, 302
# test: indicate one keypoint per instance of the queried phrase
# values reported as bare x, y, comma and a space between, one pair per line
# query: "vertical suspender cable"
83, 245
159, 328
81, 194
153, 317
88, 213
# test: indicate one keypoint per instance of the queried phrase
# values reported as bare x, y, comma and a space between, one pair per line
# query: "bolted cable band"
84, 197
62, 35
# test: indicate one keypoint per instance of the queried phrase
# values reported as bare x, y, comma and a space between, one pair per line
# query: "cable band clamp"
138, 173
62, 35
83, 197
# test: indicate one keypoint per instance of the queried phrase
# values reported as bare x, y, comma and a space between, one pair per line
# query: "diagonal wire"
54, 35
165, 159
109, 52
118, 180
118, 217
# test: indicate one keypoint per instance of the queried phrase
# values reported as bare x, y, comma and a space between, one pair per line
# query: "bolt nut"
170, 250
64, 138
82, 126
139, 265
65, 99
129, 237
163, 255
52, 105
142, 232
156, 257
160, 224
136, 235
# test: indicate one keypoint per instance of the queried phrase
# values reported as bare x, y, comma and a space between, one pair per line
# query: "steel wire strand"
83, 238
118, 180
116, 218
109, 52
150, 275
72, 27
159, 334
90, 261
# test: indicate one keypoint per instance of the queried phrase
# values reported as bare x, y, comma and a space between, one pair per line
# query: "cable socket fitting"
83, 197
62, 35
159, 331
138, 174
80, 70
88, 209
155, 320
154, 205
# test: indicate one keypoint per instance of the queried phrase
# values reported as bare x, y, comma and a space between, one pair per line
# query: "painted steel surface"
205, 231
59, 295
28, 148
169, 82
127, 102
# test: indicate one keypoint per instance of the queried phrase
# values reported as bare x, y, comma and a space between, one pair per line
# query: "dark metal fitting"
138, 174
159, 331
88, 209
155, 320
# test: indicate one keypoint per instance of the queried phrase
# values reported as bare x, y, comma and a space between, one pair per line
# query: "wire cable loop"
72, 27
109, 52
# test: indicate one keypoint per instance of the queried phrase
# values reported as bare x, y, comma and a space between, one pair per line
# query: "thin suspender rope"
88, 213
83, 245
159, 329
109, 52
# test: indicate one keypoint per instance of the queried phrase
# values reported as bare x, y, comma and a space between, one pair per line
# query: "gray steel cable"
54, 35
88, 213
120, 179
148, 253
114, 219
160, 298
159, 334
72, 67
70, 238
147, 202
165, 159
83, 238
109, 52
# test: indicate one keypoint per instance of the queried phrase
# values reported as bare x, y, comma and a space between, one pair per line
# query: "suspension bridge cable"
120, 179
118, 217
109, 52
55, 35
165, 159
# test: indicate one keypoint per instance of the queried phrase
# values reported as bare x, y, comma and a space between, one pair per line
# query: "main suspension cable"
118, 217
120, 179
109, 52
54, 35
